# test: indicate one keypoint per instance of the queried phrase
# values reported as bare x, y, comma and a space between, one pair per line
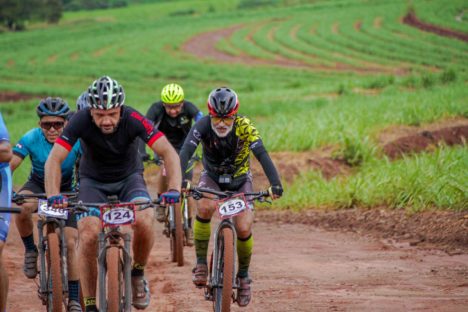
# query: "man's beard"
222, 135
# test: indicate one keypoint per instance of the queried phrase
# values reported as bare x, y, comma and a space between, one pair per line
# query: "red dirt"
425, 139
10, 96
411, 19
305, 269
203, 46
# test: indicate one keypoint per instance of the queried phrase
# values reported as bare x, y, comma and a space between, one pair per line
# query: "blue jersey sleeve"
22, 147
4, 136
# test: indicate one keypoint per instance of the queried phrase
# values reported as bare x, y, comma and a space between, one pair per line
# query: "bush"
448, 75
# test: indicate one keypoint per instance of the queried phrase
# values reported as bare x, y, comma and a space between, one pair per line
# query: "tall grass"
426, 181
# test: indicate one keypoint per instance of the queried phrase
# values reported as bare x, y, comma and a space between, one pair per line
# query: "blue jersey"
3, 137
5, 186
35, 144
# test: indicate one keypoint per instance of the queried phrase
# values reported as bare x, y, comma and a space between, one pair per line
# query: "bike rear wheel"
177, 238
55, 294
114, 278
225, 265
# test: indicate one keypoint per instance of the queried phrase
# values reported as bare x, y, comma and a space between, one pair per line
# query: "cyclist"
5, 201
227, 139
173, 116
110, 165
37, 143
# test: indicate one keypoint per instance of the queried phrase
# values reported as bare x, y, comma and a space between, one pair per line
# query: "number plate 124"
118, 216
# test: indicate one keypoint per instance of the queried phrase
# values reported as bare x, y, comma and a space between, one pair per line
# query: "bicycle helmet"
53, 107
106, 93
223, 102
82, 101
172, 94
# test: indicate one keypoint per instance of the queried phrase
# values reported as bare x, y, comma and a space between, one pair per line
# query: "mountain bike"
52, 247
114, 258
222, 269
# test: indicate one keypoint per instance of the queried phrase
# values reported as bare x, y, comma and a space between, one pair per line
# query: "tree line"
14, 14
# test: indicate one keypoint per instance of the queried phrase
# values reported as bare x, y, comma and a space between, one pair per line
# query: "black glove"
276, 190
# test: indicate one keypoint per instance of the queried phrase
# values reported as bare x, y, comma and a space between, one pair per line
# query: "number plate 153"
118, 216
231, 207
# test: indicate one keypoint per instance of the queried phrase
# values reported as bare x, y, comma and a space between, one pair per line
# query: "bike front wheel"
177, 238
55, 294
114, 278
225, 265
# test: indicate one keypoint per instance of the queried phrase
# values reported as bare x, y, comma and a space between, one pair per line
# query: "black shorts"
241, 187
131, 188
36, 187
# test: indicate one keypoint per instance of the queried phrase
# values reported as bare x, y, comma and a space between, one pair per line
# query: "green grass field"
337, 47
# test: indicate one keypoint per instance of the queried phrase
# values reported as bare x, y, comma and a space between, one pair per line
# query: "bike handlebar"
20, 198
197, 193
142, 205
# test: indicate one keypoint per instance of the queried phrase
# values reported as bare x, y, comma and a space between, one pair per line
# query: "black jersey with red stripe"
109, 157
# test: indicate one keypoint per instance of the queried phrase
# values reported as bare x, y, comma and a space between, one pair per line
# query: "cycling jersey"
5, 186
229, 155
109, 157
175, 129
35, 144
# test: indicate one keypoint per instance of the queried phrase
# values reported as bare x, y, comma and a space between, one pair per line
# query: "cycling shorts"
36, 187
207, 182
129, 189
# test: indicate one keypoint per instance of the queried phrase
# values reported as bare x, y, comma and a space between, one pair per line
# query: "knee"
87, 241
243, 231
205, 209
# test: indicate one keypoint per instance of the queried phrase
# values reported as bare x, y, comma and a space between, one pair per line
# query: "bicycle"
176, 224
222, 269
52, 247
114, 259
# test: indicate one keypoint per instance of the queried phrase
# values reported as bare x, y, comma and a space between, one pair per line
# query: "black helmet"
223, 102
82, 101
53, 107
106, 93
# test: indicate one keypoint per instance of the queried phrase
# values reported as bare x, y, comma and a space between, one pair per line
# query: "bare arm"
53, 170
15, 162
5, 151
163, 148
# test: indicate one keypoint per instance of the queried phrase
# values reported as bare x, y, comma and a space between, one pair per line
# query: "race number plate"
231, 207
118, 216
46, 211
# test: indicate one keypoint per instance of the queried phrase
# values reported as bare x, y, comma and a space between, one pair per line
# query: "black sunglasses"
56, 124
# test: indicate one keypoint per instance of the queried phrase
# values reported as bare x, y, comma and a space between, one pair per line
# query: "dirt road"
299, 268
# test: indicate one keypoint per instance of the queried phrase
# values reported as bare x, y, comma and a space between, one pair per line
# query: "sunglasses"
226, 120
172, 106
57, 125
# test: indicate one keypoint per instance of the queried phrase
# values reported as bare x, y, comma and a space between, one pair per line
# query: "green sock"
201, 236
244, 253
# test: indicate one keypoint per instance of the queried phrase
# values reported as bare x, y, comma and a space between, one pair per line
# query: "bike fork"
102, 250
43, 288
127, 268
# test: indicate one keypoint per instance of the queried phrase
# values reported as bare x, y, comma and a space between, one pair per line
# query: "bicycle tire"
114, 293
223, 296
177, 238
55, 300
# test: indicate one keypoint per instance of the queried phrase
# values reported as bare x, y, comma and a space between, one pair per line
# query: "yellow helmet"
172, 94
